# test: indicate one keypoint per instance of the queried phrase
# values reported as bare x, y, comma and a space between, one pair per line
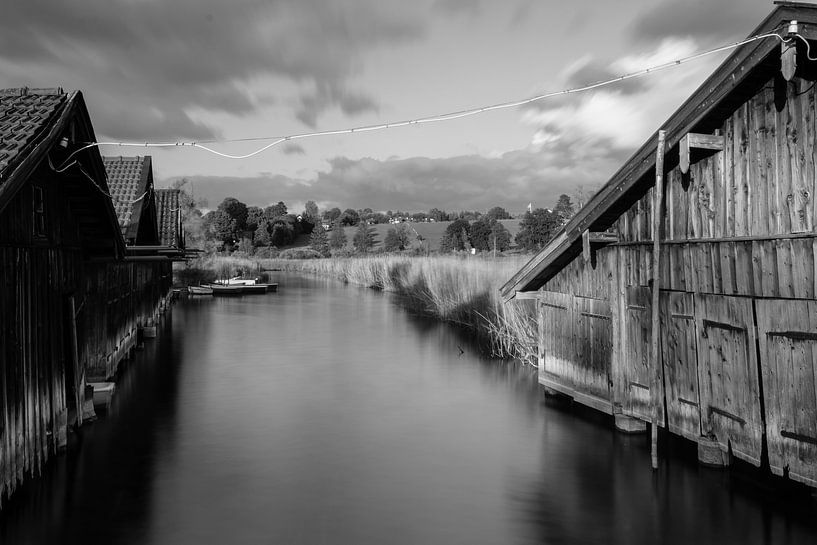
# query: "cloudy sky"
182, 70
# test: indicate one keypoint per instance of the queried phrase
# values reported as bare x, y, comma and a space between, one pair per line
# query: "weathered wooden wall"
43, 272
739, 283
37, 274
119, 298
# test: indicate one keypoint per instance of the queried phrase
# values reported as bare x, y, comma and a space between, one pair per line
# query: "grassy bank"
459, 290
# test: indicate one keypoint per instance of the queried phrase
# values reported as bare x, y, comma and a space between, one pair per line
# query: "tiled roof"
167, 211
24, 115
127, 182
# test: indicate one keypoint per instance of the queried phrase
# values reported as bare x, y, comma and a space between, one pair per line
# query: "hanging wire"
276, 140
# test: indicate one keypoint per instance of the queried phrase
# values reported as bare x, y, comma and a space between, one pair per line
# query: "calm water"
327, 414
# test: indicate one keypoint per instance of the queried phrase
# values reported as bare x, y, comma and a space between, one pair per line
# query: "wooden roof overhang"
87, 195
737, 79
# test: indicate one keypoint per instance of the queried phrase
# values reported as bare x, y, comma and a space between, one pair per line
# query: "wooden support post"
655, 355
79, 395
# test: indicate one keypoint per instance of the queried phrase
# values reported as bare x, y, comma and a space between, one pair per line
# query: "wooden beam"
655, 353
691, 141
530, 295
788, 59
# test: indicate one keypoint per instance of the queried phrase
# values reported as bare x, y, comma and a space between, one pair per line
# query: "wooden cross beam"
691, 141
593, 240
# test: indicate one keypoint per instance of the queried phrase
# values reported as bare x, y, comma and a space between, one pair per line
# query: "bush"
266, 252
299, 253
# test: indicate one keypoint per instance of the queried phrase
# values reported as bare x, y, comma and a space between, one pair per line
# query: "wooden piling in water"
656, 389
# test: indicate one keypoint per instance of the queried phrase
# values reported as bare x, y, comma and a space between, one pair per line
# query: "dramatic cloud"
457, 183
707, 21
158, 62
620, 116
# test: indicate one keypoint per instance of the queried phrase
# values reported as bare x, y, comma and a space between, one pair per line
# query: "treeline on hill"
267, 232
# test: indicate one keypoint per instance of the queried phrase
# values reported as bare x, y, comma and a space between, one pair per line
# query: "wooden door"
556, 338
634, 377
594, 347
787, 331
679, 355
728, 374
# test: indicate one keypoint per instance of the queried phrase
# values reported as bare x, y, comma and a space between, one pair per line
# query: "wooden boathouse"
82, 272
55, 219
735, 333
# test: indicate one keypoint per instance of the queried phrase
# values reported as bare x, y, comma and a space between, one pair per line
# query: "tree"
311, 212
365, 237
262, 234
397, 239
275, 211
319, 242
456, 235
337, 238
332, 214
498, 213
350, 217
236, 210
254, 216
219, 225
488, 234
563, 209
438, 215
536, 229
281, 234
191, 216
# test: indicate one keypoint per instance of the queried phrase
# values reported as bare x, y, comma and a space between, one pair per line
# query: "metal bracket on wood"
709, 143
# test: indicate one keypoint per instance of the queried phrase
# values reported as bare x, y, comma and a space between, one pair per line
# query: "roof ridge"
23, 91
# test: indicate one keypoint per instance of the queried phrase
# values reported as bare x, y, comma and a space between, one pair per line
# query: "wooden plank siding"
35, 278
119, 299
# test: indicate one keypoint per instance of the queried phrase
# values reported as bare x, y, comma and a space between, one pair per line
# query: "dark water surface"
326, 414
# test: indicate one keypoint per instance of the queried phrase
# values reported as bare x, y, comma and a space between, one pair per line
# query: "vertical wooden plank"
727, 182
785, 188
803, 267
756, 169
768, 268
785, 277
777, 201
741, 185
797, 147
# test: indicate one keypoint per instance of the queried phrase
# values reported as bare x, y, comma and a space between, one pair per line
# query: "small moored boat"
255, 288
200, 290
221, 289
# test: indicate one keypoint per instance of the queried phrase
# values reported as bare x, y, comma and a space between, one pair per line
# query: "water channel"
327, 414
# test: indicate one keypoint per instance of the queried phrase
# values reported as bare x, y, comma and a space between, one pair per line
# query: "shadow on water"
100, 490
